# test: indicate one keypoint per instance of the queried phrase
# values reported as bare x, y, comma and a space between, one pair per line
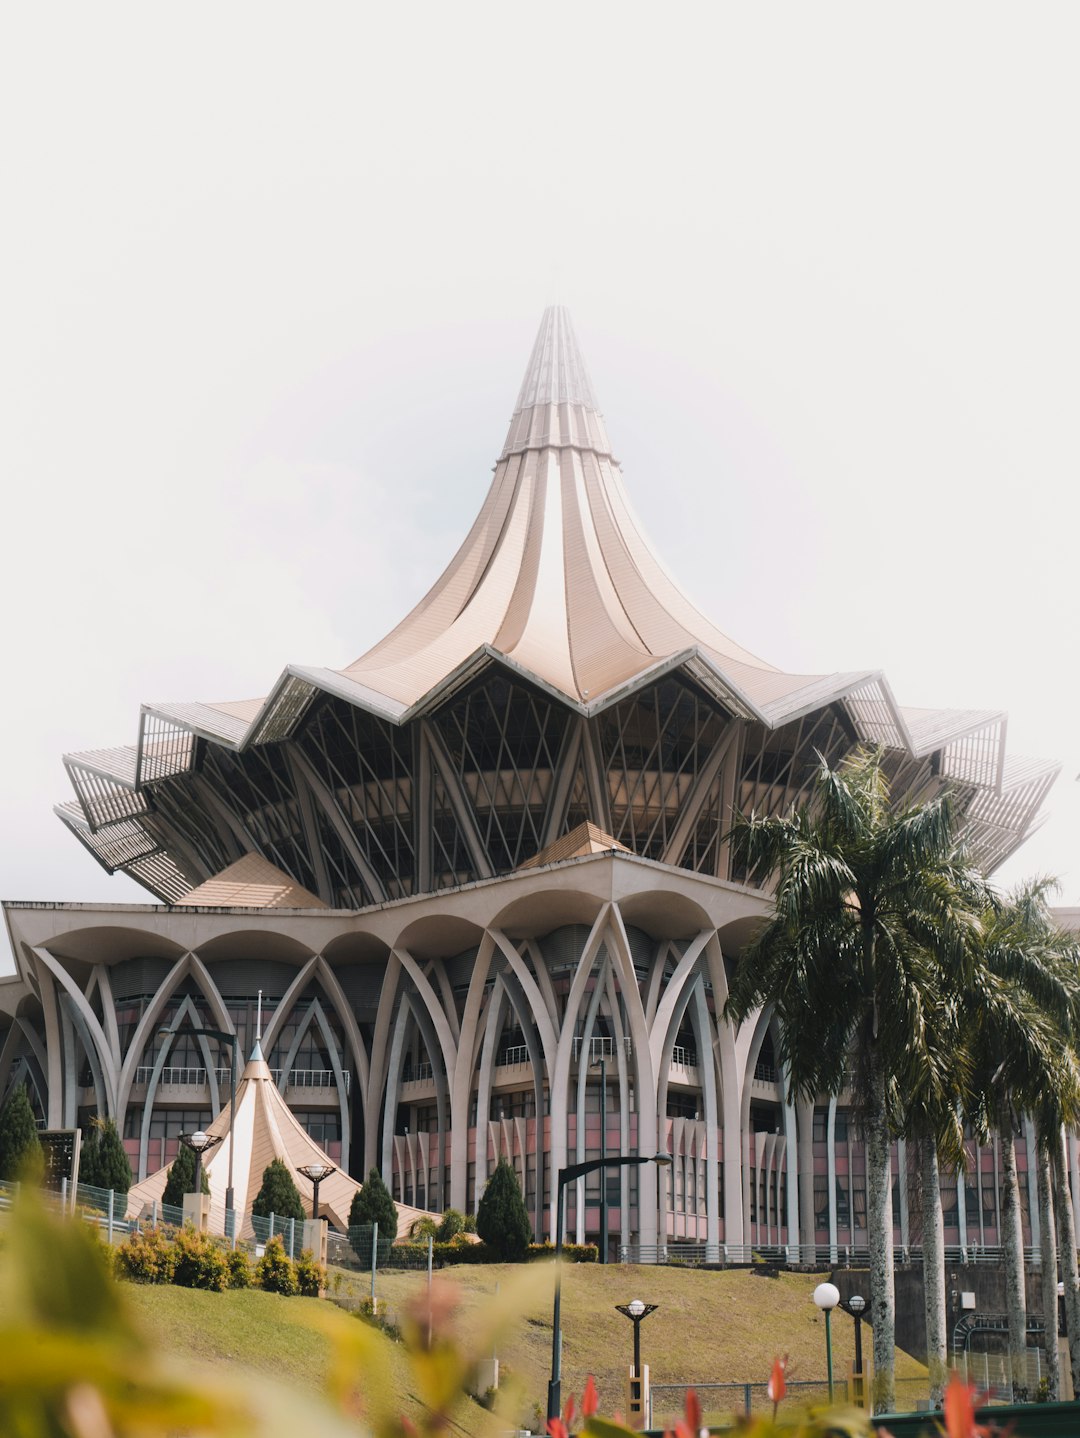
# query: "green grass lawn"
709, 1327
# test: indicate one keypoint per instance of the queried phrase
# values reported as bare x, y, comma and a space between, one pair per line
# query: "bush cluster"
201, 1262
147, 1256
275, 1270
460, 1250
191, 1259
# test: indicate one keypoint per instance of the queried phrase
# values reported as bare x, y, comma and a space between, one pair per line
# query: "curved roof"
556, 581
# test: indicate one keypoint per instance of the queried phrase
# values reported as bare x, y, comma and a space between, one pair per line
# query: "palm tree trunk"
1012, 1244
880, 1235
933, 1244
1049, 1274
1066, 1230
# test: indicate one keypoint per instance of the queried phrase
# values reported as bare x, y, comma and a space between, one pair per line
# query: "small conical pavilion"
264, 1129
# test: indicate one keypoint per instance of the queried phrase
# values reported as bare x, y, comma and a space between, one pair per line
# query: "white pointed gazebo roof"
264, 1129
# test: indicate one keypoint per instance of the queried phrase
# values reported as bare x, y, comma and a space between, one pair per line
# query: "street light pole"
316, 1172
827, 1296
566, 1176
198, 1142
636, 1311
855, 1305
603, 1156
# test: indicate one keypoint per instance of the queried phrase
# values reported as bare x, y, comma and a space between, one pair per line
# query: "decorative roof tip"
257, 1053
556, 372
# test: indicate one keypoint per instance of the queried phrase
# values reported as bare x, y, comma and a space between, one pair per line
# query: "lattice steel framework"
360, 810
366, 767
504, 741
653, 746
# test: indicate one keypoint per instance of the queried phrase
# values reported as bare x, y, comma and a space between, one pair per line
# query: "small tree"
181, 1178
501, 1218
20, 1150
372, 1204
110, 1165
453, 1223
279, 1194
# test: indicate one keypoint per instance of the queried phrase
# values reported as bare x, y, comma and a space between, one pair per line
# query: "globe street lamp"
199, 1143
855, 1305
635, 1310
827, 1296
223, 1038
566, 1176
316, 1172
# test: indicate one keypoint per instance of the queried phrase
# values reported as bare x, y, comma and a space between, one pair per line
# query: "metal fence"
721, 1401
105, 1208
687, 1254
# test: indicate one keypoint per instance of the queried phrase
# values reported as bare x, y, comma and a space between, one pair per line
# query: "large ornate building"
481, 859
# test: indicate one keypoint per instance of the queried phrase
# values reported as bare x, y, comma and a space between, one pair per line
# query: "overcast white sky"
269, 278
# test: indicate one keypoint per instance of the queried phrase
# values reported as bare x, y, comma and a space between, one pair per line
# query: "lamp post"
316, 1172
635, 1310
827, 1296
224, 1038
565, 1176
855, 1305
199, 1143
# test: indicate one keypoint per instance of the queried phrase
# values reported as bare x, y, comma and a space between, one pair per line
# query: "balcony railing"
602, 1047
766, 1073
312, 1078
683, 1058
417, 1073
516, 1054
172, 1076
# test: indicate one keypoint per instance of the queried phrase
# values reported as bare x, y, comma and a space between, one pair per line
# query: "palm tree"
938, 1137
873, 910
1020, 1008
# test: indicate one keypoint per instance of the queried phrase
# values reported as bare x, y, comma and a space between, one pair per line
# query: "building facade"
481, 879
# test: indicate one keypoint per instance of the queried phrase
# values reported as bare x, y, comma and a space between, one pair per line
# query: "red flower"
590, 1399
557, 1428
777, 1387
693, 1410
960, 1410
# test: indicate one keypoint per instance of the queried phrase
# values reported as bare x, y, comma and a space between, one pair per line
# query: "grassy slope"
709, 1326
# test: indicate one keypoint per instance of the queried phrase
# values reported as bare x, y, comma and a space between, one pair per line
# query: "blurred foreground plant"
75, 1364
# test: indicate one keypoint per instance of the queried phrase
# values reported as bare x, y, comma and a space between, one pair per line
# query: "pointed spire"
556, 372
556, 405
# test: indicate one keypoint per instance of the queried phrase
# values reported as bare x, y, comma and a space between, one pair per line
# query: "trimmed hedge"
414, 1255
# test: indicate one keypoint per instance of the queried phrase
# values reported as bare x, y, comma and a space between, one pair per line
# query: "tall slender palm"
1020, 1008
933, 1125
872, 916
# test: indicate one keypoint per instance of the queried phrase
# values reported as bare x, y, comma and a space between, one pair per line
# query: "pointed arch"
316, 1018
100, 979
94, 1039
187, 1009
560, 1071
461, 1081
676, 993
380, 1041
188, 965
